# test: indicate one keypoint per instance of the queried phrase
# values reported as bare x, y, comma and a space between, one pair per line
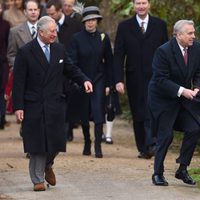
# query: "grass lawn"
195, 174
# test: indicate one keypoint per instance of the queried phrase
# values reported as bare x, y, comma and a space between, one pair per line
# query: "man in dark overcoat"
136, 41
173, 101
39, 102
66, 27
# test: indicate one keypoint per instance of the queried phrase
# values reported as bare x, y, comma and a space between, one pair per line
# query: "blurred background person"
73, 9
66, 27
43, 4
4, 27
8, 4
19, 36
91, 51
15, 14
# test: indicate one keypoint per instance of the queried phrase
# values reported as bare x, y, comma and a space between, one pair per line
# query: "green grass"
195, 174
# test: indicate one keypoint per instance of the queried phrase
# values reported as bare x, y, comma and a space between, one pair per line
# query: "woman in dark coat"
91, 51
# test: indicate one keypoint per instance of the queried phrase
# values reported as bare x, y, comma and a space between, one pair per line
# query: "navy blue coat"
134, 52
92, 53
169, 73
38, 90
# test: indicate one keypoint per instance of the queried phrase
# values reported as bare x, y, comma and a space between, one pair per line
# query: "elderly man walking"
38, 100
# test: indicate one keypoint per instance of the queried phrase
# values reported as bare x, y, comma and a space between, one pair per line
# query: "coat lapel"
179, 57
135, 28
24, 33
52, 63
191, 55
150, 27
39, 55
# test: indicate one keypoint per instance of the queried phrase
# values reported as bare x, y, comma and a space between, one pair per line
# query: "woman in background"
91, 51
15, 14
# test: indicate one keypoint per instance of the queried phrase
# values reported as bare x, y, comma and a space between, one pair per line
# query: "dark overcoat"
67, 29
169, 73
37, 90
134, 51
92, 53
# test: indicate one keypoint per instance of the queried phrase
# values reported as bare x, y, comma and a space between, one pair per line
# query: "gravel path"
120, 175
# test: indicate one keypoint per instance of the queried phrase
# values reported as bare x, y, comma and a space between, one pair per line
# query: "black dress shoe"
185, 177
109, 140
151, 150
99, 155
87, 148
144, 156
159, 179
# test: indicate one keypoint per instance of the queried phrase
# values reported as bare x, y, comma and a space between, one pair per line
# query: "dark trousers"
143, 136
137, 96
165, 135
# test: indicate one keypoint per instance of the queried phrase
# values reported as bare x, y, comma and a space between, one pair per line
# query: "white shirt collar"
31, 25
61, 20
42, 44
182, 48
145, 20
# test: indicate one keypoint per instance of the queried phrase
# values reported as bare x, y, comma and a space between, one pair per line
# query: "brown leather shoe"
50, 176
39, 187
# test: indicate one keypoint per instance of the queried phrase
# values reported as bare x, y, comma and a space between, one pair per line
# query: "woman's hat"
91, 12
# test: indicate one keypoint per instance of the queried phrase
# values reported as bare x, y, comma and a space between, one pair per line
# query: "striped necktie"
33, 32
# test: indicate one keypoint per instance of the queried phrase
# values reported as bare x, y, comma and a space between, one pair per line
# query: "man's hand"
19, 115
88, 86
190, 94
107, 91
120, 87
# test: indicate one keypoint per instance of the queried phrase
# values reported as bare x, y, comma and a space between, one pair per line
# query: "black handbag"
110, 107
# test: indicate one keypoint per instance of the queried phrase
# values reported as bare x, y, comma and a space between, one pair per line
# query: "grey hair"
43, 22
179, 26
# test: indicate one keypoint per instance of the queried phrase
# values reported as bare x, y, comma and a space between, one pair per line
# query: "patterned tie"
185, 55
142, 27
33, 32
46, 52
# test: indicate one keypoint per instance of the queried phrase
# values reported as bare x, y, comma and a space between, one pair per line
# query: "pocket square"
61, 61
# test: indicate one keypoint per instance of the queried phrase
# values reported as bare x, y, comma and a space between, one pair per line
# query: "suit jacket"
135, 51
18, 36
169, 73
37, 89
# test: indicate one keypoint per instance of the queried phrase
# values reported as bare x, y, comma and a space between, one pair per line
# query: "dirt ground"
119, 175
